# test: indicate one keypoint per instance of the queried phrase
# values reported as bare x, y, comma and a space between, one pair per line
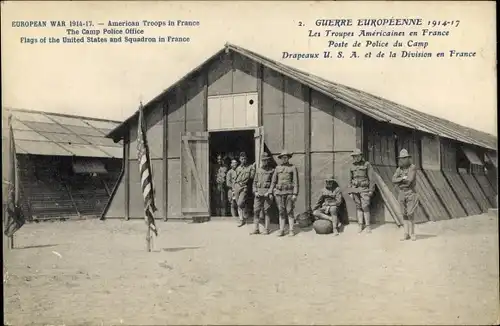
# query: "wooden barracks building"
238, 100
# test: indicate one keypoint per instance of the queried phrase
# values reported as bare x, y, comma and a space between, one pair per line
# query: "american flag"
14, 215
146, 173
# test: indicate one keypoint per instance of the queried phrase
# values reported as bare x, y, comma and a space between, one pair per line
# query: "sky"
108, 80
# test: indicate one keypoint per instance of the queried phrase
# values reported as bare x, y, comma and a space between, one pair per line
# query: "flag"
14, 218
145, 173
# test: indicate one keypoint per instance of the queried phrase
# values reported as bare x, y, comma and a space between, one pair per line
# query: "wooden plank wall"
116, 207
430, 161
322, 156
480, 173
429, 200
431, 165
449, 166
488, 190
466, 170
476, 190
335, 132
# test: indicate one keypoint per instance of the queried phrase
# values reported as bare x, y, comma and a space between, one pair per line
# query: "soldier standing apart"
220, 187
244, 175
327, 207
405, 179
362, 188
285, 185
230, 178
263, 196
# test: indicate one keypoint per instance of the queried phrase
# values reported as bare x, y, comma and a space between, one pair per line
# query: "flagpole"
148, 229
148, 239
11, 142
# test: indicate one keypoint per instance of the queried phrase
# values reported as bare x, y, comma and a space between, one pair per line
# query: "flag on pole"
145, 172
14, 218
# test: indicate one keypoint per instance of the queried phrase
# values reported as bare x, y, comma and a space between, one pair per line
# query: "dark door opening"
229, 144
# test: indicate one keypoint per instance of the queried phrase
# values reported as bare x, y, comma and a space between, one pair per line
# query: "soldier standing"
361, 188
220, 193
230, 178
285, 185
263, 196
244, 175
405, 179
328, 204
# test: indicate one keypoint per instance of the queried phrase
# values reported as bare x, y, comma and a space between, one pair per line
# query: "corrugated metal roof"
368, 104
63, 138
41, 148
101, 141
85, 150
102, 124
42, 133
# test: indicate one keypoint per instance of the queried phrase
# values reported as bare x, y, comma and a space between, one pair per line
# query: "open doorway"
229, 144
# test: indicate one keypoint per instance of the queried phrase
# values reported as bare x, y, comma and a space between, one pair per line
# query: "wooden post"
165, 160
307, 142
260, 86
126, 161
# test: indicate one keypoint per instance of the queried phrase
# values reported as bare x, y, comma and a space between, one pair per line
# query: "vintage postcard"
249, 162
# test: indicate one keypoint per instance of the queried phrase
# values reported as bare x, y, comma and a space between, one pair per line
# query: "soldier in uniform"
361, 188
405, 179
244, 176
261, 190
328, 204
285, 186
230, 178
220, 194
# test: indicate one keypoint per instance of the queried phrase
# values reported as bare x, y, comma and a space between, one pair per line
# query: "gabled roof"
44, 133
376, 107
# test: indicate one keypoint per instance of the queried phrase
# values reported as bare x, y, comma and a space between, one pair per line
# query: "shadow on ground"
425, 236
179, 249
37, 246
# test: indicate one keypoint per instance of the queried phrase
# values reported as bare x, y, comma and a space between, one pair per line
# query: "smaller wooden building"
66, 166
238, 100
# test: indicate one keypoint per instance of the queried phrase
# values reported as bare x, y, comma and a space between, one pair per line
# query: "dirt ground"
98, 273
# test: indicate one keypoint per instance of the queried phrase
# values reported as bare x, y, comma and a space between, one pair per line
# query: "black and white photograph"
249, 163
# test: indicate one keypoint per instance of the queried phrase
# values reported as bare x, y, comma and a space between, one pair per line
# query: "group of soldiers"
234, 186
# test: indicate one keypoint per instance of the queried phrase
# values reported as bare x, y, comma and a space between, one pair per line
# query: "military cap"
243, 154
285, 153
356, 152
404, 153
330, 179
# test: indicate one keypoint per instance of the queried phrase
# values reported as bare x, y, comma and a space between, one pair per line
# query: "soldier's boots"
360, 220
291, 223
335, 232
412, 230
366, 215
241, 215
265, 232
281, 233
406, 226
255, 232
